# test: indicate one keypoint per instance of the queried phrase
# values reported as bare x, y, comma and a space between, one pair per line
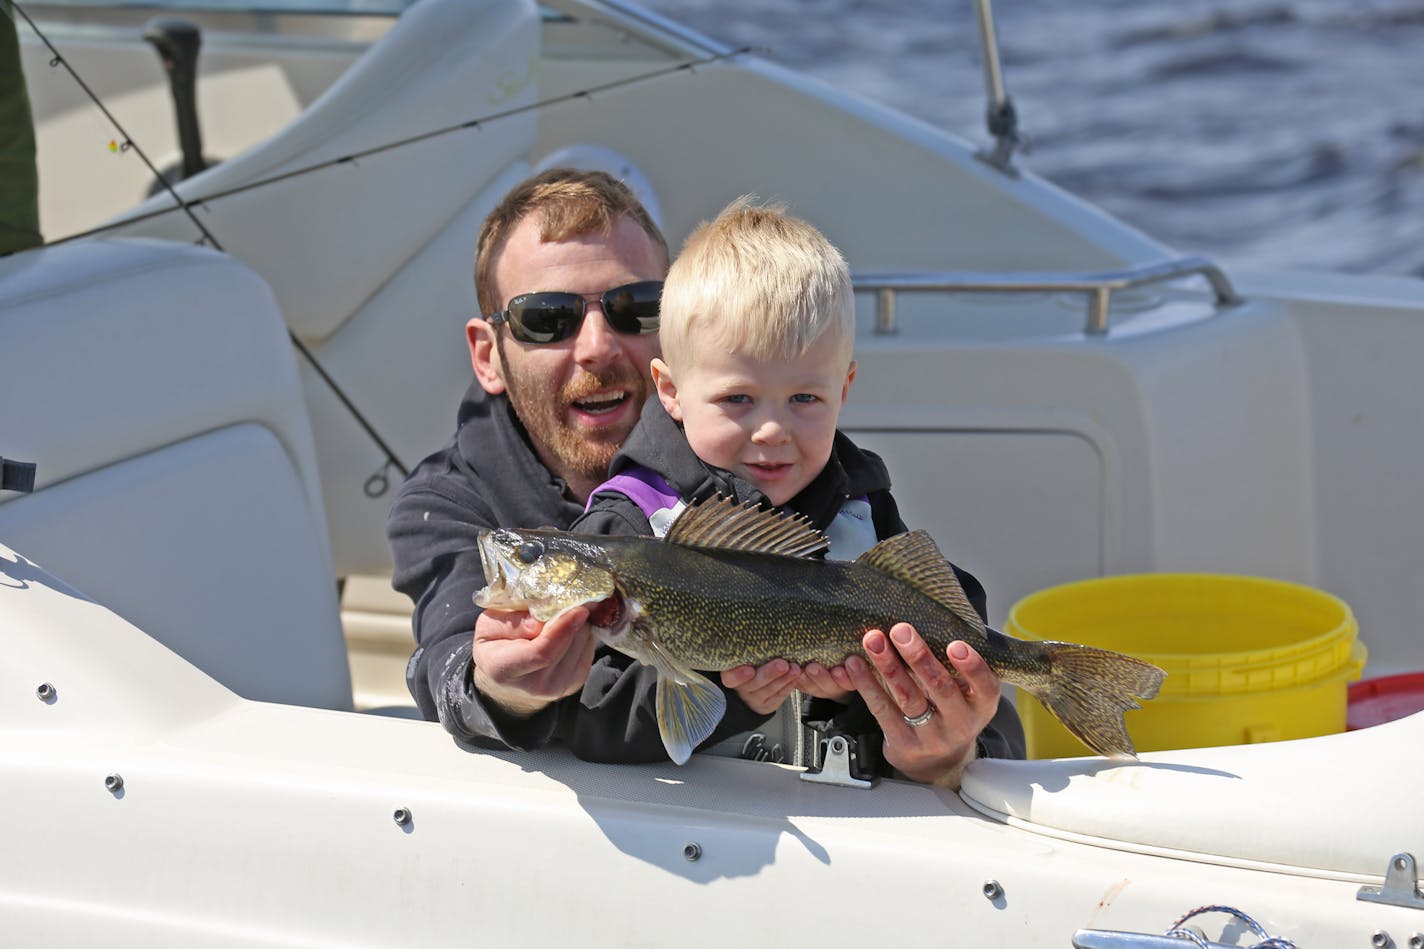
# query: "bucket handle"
1359, 655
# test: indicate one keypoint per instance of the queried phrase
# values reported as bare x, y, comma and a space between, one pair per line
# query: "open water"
1275, 133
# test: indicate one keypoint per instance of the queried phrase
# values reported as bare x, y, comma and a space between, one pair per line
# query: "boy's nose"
770, 430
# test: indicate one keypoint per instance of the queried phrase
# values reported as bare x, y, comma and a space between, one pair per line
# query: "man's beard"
573, 451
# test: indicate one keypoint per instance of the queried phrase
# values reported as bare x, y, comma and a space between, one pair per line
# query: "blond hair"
762, 281
570, 203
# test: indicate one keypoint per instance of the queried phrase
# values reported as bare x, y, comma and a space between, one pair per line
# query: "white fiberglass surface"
1337, 804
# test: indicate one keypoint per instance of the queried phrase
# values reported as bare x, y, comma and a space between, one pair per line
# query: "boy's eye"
805, 397
737, 399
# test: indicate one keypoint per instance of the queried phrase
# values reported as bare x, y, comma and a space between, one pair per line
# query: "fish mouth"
609, 613
507, 588
501, 572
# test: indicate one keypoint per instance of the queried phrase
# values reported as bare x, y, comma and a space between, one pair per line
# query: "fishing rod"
377, 483
475, 123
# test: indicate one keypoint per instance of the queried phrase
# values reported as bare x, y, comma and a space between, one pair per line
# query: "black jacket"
658, 443
489, 476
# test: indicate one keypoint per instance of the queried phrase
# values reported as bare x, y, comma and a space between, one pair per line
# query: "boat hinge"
1401, 885
839, 763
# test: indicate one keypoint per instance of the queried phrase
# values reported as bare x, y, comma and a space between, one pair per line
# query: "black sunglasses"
552, 315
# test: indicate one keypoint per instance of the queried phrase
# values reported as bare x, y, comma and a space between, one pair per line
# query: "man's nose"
596, 345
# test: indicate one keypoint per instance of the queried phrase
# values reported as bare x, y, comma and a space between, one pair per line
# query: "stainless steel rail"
1107, 939
1098, 286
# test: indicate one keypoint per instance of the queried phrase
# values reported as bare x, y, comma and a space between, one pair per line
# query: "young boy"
757, 335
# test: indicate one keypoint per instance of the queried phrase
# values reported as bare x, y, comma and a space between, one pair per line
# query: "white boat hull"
195, 773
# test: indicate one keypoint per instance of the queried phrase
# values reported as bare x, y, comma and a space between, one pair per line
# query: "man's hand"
904, 679
523, 665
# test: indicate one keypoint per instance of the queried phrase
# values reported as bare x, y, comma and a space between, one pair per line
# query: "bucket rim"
1334, 653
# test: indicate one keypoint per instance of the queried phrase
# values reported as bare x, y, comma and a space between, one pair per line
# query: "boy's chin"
777, 490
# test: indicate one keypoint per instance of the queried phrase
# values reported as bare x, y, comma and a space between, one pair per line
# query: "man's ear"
484, 355
667, 388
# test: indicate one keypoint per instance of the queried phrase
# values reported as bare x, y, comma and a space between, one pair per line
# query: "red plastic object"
1376, 701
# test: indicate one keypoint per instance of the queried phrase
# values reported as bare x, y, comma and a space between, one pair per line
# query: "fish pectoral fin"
689, 708
689, 705
914, 558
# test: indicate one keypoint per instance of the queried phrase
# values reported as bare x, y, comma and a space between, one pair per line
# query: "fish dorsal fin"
722, 523
914, 558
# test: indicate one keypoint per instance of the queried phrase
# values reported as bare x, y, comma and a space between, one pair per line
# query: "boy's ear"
850, 377
484, 355
667, 388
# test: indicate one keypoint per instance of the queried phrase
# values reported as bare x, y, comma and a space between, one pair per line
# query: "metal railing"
1098, 287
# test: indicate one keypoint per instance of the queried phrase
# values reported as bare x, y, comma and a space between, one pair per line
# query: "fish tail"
1088, 690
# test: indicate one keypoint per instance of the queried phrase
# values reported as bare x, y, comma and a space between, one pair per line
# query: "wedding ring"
921, 718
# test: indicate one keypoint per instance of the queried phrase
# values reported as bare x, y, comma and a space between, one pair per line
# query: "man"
566, 268
536, 432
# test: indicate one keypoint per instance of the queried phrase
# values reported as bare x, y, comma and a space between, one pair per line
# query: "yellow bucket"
1247, 659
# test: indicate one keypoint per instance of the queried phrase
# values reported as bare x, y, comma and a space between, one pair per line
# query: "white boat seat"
1328, 805
176, 479
372, 261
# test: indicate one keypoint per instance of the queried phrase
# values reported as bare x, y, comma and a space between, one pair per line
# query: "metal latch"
1401, 885
840, 765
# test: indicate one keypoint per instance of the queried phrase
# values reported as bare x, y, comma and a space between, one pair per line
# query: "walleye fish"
733, 585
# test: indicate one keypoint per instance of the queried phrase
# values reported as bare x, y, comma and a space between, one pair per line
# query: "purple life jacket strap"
643, 486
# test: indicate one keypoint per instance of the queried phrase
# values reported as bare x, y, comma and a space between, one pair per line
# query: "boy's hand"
763, 688
523, 665
823, 683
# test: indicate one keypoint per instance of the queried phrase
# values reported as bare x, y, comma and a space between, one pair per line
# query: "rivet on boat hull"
992, 890
693, 851
114, 783
401, 816
1380, 939
46, 693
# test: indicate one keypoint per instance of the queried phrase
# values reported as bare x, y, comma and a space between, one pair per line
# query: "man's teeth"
601, 403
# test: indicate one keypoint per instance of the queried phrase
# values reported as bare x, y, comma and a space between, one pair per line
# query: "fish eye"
530, 551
